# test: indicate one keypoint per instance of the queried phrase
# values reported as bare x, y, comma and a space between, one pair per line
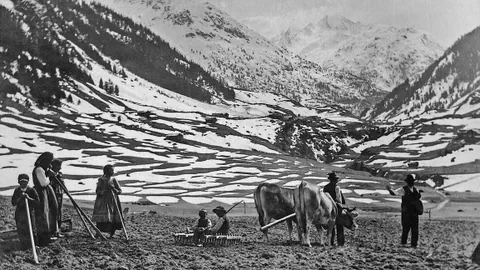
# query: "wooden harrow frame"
209, 240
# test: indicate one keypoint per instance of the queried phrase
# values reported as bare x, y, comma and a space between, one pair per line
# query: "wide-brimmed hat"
202, 211
219, 209
333, 176
410, 178
23, 178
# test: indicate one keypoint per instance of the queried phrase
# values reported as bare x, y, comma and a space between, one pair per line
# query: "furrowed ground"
445, 243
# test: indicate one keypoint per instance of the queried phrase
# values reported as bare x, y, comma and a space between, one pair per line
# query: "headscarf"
44, 160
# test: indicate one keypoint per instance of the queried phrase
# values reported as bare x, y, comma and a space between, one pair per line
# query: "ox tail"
300, 208
257, 196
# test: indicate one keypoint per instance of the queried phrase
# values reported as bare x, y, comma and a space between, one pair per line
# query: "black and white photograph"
228, 134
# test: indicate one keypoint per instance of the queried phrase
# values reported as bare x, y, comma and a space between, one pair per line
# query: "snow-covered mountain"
93, 87
450, 86
242, 58
77, 58
437, 122
385, 55
78, 80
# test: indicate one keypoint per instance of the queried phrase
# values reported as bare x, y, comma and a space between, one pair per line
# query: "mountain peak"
335, 22
382, 54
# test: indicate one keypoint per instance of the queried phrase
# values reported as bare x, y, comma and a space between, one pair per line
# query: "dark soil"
444, 244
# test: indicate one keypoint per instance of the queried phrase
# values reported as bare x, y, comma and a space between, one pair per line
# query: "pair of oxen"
309, 204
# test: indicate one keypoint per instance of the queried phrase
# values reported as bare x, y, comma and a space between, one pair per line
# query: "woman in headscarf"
22, 193
105, 212
46, 214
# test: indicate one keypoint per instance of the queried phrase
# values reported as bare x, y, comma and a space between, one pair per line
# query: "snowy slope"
450, 86
385, 55
443, 148
243, 58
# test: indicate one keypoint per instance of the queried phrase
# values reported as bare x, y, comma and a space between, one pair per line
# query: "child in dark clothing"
22, 193
201, 227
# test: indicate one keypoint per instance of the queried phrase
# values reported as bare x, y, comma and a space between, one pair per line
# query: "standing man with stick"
107, 208
25, 215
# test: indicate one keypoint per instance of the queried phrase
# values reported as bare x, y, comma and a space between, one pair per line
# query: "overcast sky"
446, 20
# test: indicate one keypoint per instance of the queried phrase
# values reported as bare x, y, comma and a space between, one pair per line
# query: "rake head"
213, 240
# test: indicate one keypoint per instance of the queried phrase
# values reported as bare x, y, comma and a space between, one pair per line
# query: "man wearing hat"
409, 214
22, 193
222, 225
334, 190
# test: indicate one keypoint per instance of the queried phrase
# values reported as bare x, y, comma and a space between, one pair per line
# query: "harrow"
213, 240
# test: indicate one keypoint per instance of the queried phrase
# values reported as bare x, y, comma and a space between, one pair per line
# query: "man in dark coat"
334, 190
409, 214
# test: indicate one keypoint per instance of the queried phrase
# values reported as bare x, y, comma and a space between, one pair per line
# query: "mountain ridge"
449, 86
385, 55
243, 58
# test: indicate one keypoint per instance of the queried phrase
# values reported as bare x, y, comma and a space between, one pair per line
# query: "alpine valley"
192, 106
195, 110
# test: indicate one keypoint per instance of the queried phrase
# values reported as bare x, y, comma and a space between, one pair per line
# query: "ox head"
347, 218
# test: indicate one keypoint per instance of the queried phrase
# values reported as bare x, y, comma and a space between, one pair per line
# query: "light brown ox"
273, 201
312, 205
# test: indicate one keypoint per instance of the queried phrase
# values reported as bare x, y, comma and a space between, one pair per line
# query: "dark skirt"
105, 212
46, 215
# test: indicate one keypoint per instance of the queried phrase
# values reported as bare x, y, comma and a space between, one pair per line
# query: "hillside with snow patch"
244, 59
167, 147
449, 86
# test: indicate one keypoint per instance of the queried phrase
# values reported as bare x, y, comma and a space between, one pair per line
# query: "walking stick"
120, 214
30, 229
82, 213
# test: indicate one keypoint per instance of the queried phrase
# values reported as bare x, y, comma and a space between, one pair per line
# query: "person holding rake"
106, 211
22, 193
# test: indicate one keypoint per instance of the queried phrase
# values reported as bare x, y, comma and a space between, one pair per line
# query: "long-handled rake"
120, 213
82, 214
30, 229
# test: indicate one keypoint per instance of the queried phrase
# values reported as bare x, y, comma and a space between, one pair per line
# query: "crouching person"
22, 193
222, 226
202, 226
